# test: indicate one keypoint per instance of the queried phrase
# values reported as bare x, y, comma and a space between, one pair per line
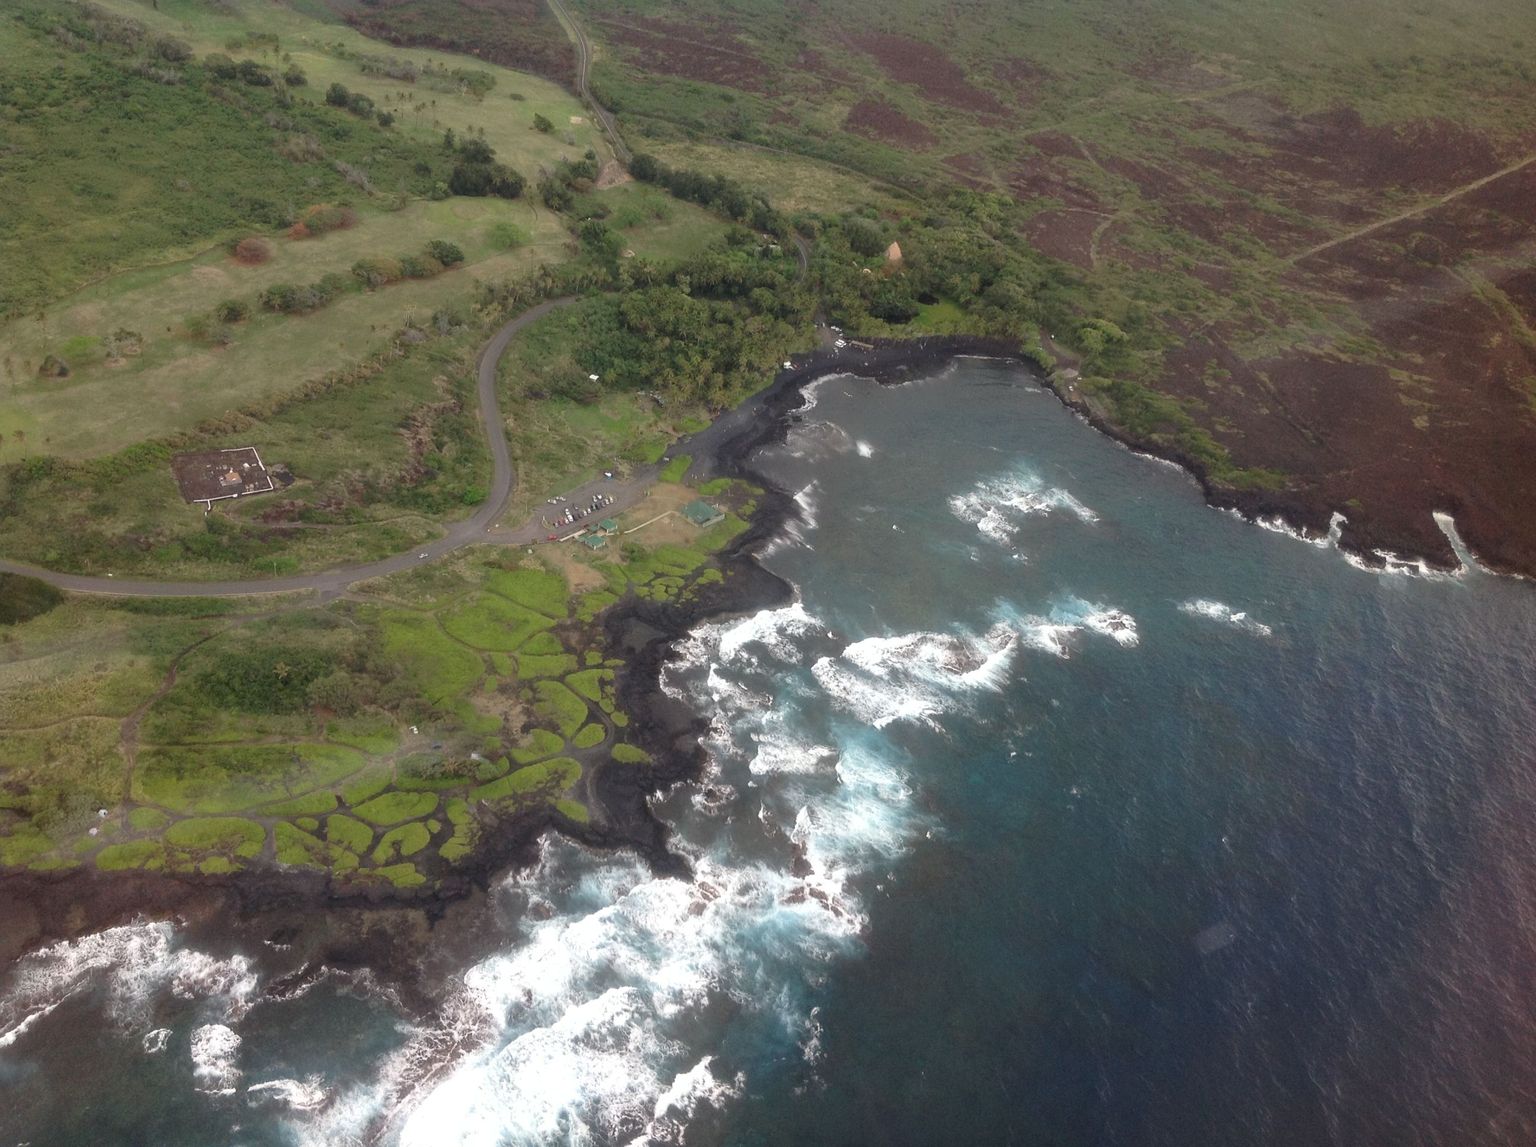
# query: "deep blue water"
1060, 809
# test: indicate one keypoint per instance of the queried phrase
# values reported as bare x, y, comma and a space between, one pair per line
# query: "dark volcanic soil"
521, 34
883, 121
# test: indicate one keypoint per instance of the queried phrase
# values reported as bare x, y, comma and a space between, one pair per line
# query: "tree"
542, 123
646, 168
446, 253
337, 96
254, 74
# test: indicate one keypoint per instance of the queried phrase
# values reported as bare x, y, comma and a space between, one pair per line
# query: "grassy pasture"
651, 223
178, 381
331, 53
792, 183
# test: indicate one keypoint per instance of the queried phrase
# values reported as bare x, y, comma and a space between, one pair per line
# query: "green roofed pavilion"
702, 514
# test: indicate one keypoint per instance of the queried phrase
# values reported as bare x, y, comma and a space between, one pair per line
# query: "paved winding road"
481, 527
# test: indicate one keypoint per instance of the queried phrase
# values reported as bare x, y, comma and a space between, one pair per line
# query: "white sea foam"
1069, 616
777, 630
999, 506
133, 963
10, 1035
214, 1049
915, 676
1226, 615
308, 1094
689, 1091
781, 754
592, 1023
864, 448
1385, 561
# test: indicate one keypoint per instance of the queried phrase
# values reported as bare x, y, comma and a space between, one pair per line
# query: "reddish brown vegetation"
969, 169
877, 119
517, 33
252, 251
322, 218
689, 51
928, 69
1065, 235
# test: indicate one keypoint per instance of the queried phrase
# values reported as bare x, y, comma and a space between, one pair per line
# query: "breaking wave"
610, 1020
998, 507
1220, 612
132, 965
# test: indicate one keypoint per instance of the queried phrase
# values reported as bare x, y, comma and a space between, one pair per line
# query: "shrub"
446, 253
294, 77
252, 251
220, 66
54, 367
172, 50
377, 272
254, 74
232, 311
506, 236
542, 123
122, 343
322, 218
864, 237
385, 118
337, 96
23, 598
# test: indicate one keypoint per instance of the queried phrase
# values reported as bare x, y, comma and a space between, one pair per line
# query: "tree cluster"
476, 172
719, 193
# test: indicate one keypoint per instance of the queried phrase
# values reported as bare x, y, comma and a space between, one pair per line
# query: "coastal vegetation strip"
373, 739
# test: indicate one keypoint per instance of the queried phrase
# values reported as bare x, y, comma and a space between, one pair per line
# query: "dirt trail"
1448, 197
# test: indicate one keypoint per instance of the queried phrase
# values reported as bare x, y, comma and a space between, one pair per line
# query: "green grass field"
179, 381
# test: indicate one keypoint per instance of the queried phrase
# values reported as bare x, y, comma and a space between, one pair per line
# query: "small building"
210, 476
702, 514
607, 527
594, 542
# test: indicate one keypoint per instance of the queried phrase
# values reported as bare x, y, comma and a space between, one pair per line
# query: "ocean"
1057, 808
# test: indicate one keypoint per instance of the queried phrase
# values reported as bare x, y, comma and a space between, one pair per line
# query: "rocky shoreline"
299, 921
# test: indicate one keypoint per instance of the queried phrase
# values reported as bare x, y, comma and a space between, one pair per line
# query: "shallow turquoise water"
1060, 809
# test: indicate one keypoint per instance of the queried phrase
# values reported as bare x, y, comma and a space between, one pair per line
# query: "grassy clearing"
217, 779
651, 224
560, 707
535, 589
330, 52
551, 776
179, 380
792, 183
241, 838
490, 622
